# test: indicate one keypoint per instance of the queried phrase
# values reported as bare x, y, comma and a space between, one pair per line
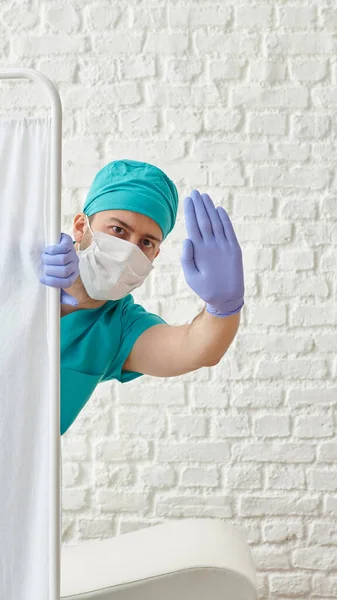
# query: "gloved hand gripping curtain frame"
54, 482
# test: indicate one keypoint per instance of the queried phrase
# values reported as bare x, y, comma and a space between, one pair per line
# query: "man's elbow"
212, 361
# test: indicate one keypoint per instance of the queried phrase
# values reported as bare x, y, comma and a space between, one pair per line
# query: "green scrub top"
95, 344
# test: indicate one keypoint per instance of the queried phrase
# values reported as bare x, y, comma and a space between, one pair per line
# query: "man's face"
124, 224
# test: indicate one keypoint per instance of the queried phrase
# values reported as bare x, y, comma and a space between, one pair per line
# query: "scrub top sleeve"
135, 320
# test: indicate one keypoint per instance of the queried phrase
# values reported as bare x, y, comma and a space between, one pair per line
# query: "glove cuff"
226, 311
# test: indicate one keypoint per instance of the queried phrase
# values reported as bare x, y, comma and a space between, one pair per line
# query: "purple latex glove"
211, 257
60, 267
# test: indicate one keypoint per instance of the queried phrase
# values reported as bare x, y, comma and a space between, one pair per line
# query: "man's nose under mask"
111, 268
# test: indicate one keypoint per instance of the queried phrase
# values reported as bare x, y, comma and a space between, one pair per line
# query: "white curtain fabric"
24, 359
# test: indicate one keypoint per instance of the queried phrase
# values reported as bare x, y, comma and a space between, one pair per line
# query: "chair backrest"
189, 559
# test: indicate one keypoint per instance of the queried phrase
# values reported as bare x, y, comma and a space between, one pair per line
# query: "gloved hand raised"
211, 257
60, 267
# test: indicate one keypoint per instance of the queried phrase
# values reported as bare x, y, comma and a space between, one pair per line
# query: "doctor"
130, 209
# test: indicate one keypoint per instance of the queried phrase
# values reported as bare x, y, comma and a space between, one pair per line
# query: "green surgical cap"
135, 186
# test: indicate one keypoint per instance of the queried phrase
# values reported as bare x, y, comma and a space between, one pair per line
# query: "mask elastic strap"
92, 233
86, 216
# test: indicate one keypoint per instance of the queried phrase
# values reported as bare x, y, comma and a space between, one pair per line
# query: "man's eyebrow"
146, 235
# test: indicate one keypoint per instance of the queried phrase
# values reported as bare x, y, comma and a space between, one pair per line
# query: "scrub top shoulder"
95, 344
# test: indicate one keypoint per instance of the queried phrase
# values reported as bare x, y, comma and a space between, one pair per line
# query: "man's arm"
212, 265
168, 351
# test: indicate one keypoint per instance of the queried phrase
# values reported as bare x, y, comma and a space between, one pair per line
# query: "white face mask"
111, 268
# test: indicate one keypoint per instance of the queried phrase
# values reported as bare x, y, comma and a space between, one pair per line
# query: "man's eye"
118, 230
147, 243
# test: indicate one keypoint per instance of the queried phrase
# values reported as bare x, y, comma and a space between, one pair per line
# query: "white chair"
189, 559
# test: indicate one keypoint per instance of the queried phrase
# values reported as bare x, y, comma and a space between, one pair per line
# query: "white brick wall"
238, 99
